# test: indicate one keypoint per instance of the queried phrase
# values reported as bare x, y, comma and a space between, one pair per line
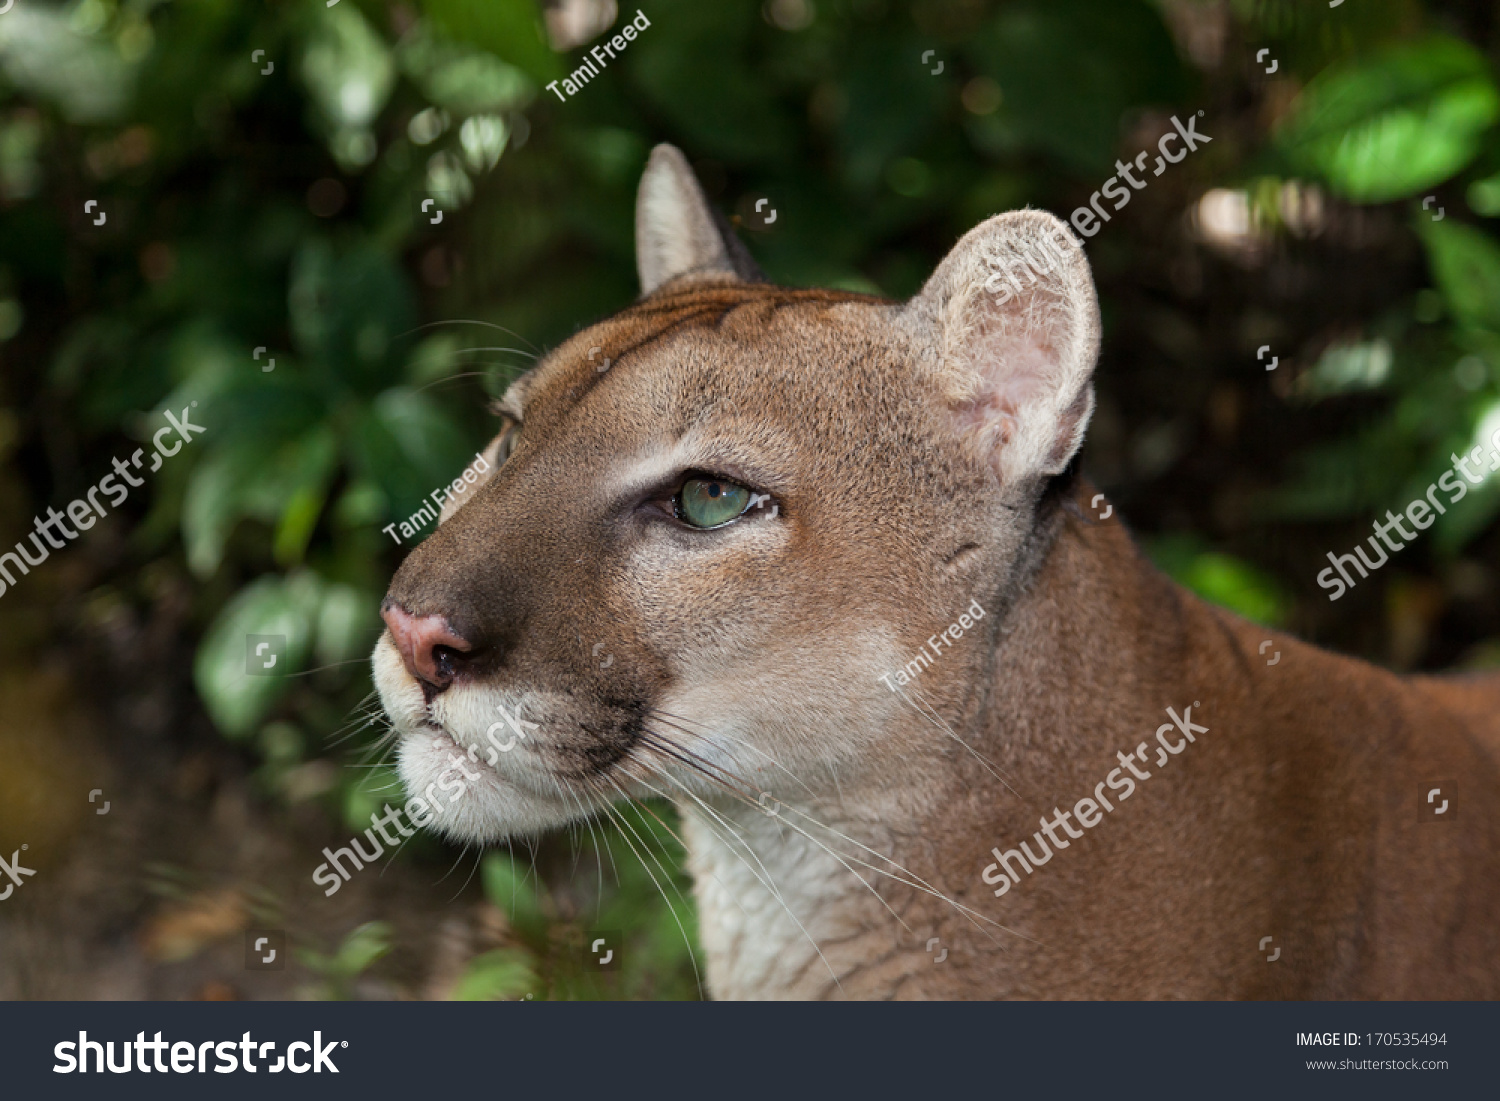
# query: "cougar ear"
677, 232
1013, 321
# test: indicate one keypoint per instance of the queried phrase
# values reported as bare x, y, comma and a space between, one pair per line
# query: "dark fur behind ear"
739, 256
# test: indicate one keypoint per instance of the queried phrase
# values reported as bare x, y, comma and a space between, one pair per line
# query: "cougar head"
712, 522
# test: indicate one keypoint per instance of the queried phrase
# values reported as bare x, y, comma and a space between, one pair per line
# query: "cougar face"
703, 538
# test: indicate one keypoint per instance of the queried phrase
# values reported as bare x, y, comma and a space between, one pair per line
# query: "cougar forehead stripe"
664, 314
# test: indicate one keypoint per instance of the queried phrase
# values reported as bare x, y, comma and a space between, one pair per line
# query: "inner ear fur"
1013, 319
677, 233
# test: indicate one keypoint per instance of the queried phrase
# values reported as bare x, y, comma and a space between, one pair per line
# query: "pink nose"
427, 643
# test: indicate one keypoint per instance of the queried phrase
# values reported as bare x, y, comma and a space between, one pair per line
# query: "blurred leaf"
362, 947
465, 81
280, 483
434, 358
613, 156
495, 976
428, 438
1343, 368
83, 74
346, 308
348, 623
1069, 69
892, 105
409, 447
694, 65
1466, 265
298, 519
1221, 578
1478, 508
368, 797
363, 504
347, 67
1484, 196
510, 29
91, 363
1396, 122
513, 891
1465, 520
235, 699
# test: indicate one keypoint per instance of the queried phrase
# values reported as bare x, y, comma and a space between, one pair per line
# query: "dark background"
283, 211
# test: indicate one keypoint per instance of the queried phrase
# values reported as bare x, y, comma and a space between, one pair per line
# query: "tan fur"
912, 454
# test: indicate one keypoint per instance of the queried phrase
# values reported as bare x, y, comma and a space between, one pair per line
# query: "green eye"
709, 502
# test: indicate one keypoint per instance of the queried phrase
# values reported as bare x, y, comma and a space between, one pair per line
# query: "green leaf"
428, 437
347, 68
510, 29
237, 700
509, 887
408, 446
1466, 265
464, 80
1477, 509
345, 310
1221, 578
367, 798
363, 947
1070, 69
83, 74
695, 66
495, 976
1395, 123
1484, 196
281, 483
892, 105
1456, 528
298, 519
1347, 368
348, 624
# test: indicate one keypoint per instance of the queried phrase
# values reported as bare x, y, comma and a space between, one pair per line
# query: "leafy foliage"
1395, 123
339, 969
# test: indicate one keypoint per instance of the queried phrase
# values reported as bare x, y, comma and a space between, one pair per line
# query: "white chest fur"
780, 916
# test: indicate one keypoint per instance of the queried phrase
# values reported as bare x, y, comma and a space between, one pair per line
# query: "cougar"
818, 568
